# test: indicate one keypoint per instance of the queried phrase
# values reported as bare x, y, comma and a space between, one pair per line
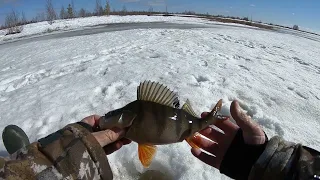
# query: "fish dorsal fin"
187, 107
158, 93
146, 153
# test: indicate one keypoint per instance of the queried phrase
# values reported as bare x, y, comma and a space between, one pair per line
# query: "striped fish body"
158, 124
155, 119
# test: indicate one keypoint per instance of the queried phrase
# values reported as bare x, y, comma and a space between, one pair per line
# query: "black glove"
240, 157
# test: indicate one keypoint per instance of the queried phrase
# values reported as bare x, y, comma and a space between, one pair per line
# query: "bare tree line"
51, 13
14, 20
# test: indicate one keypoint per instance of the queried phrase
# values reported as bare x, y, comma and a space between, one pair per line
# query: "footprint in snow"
28, 79
263, 47
6, 68
244, 67
277, 47
300, 93
2, 99
300, 61
100, 91
291, 88
104, 71
112, 91
303, 95
201, 79
315, 95
205, 64
154, 56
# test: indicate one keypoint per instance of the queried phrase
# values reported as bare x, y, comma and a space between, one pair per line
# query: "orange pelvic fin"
146, 153
191, 143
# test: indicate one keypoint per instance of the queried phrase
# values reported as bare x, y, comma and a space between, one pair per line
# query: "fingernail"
121, 133
197, 139
196, 151
119, 145
238, 106
208, 130
196, 135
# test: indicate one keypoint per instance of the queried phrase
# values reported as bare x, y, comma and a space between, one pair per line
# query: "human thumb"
252, 132
108, 136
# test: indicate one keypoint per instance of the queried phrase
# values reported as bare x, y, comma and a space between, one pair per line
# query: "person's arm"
74, 152
286, 160
243, 151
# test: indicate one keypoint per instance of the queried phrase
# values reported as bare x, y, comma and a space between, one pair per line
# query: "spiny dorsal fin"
158, 93
187, 107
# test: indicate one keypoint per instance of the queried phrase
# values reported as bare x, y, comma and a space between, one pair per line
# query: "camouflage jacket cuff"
274, 161
75, 151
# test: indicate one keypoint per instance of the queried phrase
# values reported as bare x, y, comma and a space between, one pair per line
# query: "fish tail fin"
214, 113
212, 118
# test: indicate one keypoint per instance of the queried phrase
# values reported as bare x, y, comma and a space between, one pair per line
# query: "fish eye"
113, 113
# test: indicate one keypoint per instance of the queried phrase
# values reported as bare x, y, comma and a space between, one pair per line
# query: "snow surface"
45, 85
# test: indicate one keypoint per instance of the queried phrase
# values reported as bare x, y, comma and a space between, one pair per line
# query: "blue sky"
305, 13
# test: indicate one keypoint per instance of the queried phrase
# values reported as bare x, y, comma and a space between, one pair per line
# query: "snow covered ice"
44, 85
80, 23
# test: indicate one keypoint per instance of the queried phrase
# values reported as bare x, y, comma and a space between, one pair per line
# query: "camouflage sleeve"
70, 153
285, 160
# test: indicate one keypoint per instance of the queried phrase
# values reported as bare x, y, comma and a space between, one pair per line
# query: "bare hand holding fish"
110, 139
237, 149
